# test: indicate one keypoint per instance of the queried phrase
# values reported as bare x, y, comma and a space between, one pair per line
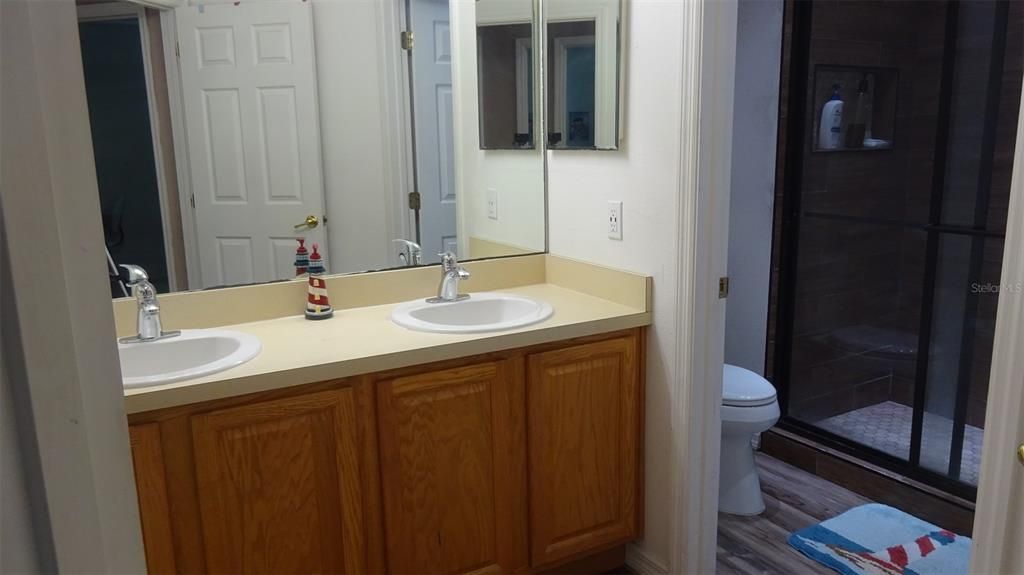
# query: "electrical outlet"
492, 203
615, 219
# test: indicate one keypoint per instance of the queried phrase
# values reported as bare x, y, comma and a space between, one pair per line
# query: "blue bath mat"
876, 539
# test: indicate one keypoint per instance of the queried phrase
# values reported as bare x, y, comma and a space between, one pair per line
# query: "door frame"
996, 550
122, 11
71, 422
396, 85
176, 103
708, 32
524, 54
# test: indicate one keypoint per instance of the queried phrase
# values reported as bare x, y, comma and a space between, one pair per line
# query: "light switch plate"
615, 219
492, 203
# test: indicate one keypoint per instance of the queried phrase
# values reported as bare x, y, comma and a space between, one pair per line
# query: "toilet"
749, 406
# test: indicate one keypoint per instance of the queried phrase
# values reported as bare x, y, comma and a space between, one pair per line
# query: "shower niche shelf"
869, 96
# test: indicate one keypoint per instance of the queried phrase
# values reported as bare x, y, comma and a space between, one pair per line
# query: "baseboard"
642, 562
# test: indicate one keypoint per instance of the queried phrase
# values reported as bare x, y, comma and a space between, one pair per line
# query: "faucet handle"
135, 274
448, 261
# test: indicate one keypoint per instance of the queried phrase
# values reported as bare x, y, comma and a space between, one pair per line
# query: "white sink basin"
194, 353
481, 312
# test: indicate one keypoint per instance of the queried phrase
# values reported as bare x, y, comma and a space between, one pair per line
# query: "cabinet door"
583, 416
151, 486
453, 470
279, 486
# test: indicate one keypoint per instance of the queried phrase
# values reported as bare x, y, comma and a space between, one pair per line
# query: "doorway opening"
132, 193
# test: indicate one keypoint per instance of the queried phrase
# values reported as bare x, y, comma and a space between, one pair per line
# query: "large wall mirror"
583, 71
226, 130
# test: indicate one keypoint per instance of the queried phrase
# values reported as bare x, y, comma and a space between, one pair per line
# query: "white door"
248, 80
999, 519
432, 108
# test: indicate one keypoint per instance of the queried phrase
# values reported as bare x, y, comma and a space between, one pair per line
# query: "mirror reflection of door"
431, 70
249, 91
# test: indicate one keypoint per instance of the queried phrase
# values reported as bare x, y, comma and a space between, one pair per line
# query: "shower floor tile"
886, 426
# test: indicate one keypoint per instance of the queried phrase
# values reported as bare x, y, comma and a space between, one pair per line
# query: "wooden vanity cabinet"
512, 462
276, 482
584, 406
279, 486
453, 469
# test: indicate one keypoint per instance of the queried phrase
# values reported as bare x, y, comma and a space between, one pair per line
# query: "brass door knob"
1020, 453
311, 222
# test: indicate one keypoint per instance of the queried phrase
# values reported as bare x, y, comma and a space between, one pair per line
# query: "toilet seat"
744, 388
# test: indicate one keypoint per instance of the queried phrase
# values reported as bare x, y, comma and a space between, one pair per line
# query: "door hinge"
414, 200
407, 40
192, 200
723, 287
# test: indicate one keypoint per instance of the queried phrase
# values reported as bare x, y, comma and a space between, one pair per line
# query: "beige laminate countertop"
364, 340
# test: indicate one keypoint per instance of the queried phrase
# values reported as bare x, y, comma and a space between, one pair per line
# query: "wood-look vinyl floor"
794, 499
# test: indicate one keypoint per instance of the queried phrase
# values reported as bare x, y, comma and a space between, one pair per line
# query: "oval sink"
481, 312
194, 353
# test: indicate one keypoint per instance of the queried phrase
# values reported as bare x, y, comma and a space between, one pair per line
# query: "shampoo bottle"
857, 130
830, 128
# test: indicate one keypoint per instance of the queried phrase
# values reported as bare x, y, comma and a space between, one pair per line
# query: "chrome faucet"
451, 273
149, 308
412, 253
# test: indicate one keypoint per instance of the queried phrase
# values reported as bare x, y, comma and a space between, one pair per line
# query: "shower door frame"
796, 145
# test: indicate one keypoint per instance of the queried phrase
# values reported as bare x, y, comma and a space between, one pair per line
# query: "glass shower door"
892, 243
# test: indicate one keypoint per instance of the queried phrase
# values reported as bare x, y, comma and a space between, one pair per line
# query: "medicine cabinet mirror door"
583, 70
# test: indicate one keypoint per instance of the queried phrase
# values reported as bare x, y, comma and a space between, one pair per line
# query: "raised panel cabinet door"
583, 417
151, 487
279, 486
453, 469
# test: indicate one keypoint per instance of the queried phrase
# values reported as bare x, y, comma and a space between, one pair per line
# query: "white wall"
516, 175
361, 185
755, 132
643, 173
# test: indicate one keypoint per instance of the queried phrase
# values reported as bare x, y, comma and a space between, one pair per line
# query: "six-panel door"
583, 435
453, 469
279, 486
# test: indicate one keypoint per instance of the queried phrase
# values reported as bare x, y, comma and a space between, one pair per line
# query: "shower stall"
890, 225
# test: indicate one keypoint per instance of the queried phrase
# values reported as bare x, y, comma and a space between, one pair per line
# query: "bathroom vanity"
385, 450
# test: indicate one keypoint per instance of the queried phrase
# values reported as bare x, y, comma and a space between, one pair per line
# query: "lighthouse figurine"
317, 304
301, 258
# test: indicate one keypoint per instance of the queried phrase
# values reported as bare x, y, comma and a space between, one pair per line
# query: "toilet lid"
744, 388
